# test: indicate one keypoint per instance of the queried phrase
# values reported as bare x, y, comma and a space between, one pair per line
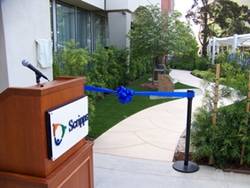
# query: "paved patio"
123, 172
139, 150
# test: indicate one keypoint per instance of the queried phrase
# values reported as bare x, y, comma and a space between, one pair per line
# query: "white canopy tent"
231, 43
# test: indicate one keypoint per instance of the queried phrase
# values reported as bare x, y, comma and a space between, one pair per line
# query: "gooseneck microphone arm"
37, 72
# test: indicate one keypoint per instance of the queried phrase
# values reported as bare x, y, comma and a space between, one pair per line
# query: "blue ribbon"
125, 95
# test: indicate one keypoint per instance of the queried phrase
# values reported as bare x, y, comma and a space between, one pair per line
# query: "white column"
235, 43
217, 48
209, 48
213, 50
119, 27
54, 24
4, 81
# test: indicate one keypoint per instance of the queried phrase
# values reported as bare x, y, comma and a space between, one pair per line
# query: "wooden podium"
24, 161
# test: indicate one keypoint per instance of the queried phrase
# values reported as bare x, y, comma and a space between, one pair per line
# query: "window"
65, 24
83, 34
84, 27
99, 30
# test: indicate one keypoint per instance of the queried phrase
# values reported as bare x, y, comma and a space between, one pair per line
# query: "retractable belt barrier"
125, 96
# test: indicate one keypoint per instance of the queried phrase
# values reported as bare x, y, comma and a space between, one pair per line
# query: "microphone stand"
38, 77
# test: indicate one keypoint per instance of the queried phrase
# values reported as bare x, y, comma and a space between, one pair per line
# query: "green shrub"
70, 60
139, 66
184, 62
202, 63
108, 67
207, 75
190, 62
224, 140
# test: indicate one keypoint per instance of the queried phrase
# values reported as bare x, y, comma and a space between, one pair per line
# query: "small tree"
199, 14
155, 34
147, 34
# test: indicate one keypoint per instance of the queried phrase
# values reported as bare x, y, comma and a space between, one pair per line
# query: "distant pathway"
152, 133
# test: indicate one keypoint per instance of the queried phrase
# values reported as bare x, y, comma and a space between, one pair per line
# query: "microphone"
37, 72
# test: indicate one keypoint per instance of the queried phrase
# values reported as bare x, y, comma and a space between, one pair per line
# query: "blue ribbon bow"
124, 95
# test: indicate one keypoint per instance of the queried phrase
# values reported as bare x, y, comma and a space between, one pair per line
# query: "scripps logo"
58, 133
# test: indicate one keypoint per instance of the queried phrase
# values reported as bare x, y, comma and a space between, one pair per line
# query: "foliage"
147, 34
199, 14
108, 67
224, 140
105, 67
155, 34
139, 66
202, 63
232, 74
219, 18
182, 44
207, 75
188, 62
184, 62
71, 60
181, 40
228, 18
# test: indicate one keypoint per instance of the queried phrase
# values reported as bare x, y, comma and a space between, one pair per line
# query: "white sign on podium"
66, 126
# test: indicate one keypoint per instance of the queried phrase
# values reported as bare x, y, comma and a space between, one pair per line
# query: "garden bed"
179, 155
223, 141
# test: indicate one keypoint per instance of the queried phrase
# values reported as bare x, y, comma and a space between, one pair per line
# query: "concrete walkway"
138, 151
122, 172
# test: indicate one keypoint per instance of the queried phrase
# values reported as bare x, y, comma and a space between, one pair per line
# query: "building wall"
24, 22
130, 5
119, 26
120, 18
117, 4
96, 3
167, 5
4, 81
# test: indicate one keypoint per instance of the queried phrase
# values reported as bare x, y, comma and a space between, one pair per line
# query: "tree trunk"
242, 154
216, 95
205, 33
215, 104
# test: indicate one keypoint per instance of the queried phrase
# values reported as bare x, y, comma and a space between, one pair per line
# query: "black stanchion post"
187, 166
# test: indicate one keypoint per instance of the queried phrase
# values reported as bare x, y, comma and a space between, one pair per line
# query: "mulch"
150, 85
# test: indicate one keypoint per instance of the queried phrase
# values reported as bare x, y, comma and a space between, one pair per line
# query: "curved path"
152, 133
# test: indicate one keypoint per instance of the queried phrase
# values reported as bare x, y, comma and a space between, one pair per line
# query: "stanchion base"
180, 167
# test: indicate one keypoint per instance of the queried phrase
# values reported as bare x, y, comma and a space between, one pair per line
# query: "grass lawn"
109, 111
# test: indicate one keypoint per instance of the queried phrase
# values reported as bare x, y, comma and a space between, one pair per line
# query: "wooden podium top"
59, 83
23, 135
